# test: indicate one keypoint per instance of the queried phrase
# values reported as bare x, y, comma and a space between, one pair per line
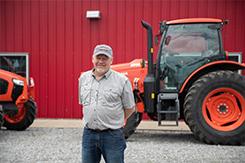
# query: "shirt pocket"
111, 97
85, 94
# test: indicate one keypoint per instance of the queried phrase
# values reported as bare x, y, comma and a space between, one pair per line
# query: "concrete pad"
77, 123
58, 123
169, 125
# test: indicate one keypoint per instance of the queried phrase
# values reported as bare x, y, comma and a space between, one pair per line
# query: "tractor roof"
194, 20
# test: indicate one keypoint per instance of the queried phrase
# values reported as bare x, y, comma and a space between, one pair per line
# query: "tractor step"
164, 99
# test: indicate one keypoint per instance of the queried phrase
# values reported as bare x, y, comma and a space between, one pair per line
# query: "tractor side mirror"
167, 40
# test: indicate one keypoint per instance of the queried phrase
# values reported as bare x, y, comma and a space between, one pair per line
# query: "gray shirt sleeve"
79, 90
127, 96
80, 80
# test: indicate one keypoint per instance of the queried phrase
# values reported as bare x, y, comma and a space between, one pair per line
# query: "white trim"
239, 57
238, 54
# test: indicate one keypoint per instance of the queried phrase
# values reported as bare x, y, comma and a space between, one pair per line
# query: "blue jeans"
110, 144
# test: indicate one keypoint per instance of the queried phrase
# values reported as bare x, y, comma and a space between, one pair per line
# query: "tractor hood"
135, 70
16, 88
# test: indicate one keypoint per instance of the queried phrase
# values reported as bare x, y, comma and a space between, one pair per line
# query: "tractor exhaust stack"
149, 46
150, 80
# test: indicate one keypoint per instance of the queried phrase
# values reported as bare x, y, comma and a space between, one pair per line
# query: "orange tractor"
193, 79
17, 106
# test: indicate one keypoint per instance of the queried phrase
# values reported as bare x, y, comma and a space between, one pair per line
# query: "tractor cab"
184, 48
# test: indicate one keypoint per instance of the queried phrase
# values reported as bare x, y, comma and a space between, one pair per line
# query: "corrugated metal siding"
60, 39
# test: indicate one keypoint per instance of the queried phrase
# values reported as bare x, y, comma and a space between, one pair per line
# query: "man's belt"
99, 130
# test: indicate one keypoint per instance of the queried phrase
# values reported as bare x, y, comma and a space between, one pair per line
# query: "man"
107, 100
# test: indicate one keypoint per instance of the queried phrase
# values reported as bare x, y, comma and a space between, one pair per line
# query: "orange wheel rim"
18, 117
224, 109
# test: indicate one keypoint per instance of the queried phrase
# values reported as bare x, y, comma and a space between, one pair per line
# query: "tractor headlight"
18, 82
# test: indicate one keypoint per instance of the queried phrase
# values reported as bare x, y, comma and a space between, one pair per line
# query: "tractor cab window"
14, 63
185, 47
191, 39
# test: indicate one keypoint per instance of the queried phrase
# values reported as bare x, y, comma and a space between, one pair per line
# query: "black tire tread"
31, 110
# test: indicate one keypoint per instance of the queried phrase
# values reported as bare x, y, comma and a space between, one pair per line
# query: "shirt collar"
106, 75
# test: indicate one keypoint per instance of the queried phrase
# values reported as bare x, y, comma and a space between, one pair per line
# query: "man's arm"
128, 100
128, 112
79, 90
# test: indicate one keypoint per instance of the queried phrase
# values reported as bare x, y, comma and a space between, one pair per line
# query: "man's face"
102, 63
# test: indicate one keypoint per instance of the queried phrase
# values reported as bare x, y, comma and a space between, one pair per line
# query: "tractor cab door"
185, 48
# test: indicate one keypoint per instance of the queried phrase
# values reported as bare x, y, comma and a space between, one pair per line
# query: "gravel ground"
62, 145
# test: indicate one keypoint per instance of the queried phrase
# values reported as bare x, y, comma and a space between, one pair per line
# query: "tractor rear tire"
29, 111
132, 123
215, 108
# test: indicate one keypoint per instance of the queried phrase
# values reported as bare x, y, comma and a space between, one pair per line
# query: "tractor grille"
17, 91
3, 86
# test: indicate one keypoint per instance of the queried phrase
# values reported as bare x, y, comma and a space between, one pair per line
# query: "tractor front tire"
215, 108
23, 119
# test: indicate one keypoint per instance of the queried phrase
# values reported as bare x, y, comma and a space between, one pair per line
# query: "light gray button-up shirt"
104, 100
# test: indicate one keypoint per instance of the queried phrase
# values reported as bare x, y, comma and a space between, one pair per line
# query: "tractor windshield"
191, 39
185, 47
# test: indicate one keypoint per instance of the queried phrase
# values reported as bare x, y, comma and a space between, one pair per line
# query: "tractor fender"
212, 66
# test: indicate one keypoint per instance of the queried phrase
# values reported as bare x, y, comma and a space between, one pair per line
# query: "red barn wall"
60, 39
